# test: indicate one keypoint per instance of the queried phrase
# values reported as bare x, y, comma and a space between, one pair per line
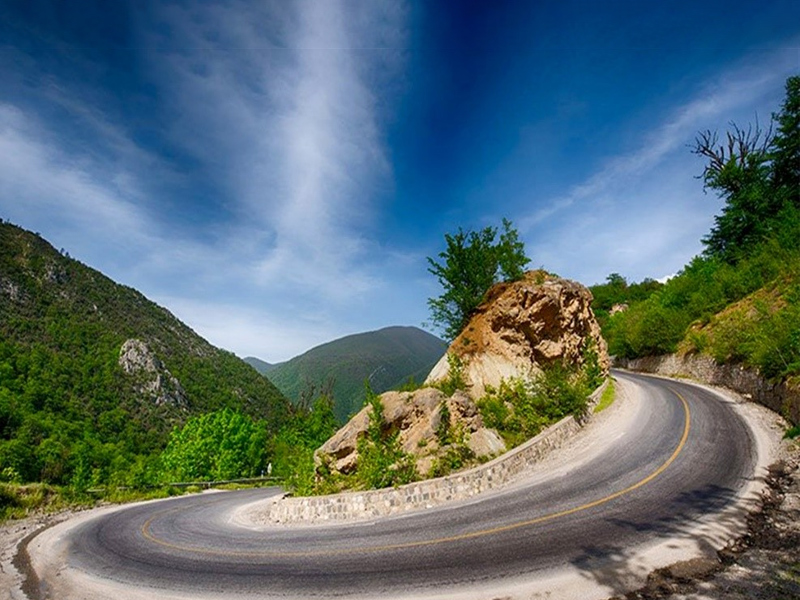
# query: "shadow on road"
619, 569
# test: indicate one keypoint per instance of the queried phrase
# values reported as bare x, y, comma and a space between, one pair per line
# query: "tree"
472, 263
757, 173
220, 445
738, 170
786, 163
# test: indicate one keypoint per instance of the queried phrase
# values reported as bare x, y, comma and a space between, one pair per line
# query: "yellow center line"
442, 540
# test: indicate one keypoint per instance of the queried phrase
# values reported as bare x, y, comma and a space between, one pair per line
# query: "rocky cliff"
521, 327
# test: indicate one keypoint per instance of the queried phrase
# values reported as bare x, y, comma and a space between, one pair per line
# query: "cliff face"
523, 326
520, 328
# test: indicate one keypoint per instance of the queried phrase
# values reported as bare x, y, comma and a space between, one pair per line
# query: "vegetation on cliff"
77, 410
740, 300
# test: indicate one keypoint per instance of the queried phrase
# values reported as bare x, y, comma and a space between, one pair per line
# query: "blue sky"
276, 172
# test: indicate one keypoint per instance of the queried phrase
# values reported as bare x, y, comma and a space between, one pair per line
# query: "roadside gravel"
16, 576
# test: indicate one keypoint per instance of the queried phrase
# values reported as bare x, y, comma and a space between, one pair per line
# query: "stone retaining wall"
431, 492
779, 397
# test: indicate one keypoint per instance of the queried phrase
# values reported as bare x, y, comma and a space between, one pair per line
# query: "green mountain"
94, 376
258, 364
386, 358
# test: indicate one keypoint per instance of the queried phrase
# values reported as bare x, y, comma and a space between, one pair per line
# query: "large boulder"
521, 327
416, 417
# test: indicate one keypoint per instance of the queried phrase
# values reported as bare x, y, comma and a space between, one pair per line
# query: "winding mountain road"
676, 456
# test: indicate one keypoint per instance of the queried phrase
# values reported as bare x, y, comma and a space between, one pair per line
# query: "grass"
792, 433
608, 396
18, 501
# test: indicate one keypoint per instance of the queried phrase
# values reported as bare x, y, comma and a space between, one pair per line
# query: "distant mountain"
387, 358
259, 365
93, 374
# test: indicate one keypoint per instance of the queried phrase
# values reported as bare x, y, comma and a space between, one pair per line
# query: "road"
684, 454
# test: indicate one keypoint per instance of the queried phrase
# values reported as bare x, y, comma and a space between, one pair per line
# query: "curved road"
686, 455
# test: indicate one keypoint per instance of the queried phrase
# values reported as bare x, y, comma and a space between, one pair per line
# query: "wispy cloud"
289, 121
274, 107
643, 213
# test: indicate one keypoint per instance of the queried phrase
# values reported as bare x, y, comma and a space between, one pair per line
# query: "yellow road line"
443, 540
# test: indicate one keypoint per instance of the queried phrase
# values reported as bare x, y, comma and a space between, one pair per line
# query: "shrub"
521, 407
455, 375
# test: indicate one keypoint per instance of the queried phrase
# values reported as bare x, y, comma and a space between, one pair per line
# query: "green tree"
786, 163
215, 446
757, 173
471, 264
738, 169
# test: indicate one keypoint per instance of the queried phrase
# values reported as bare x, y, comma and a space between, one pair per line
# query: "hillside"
93, 375
386, 358
258, 364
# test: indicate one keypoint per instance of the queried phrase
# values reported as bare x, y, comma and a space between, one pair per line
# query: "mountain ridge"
385, 358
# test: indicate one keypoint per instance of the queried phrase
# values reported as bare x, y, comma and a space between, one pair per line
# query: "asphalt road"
686, 455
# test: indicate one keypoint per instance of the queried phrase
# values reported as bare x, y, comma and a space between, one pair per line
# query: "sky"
275, 172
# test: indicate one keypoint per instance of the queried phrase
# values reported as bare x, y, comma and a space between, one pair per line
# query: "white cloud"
643, 213
281, 106
276, 104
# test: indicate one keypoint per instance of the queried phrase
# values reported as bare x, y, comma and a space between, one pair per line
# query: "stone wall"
431, 492
779, 397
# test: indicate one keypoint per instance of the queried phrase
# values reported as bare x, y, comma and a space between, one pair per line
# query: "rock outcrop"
416, 416
152, 378
521, 327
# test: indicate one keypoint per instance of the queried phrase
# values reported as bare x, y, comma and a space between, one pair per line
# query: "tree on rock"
472, 263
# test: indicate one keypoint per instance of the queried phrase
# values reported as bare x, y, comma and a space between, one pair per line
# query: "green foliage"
381, 461
443, 433
593, 373
216, 446
455, 375
607, 398
520, 408
471, 264
760, 335
69, 414
786, 146
616, 291
738, 302
293, 447
756, 174
457, 453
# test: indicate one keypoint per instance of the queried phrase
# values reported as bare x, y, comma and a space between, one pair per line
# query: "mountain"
258, 364
94, 376
386, 358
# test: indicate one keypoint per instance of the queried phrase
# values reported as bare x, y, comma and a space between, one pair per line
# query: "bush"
520, 408
381, 461
455, 376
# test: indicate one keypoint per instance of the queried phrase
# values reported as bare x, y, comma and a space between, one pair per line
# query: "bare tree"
743, 149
